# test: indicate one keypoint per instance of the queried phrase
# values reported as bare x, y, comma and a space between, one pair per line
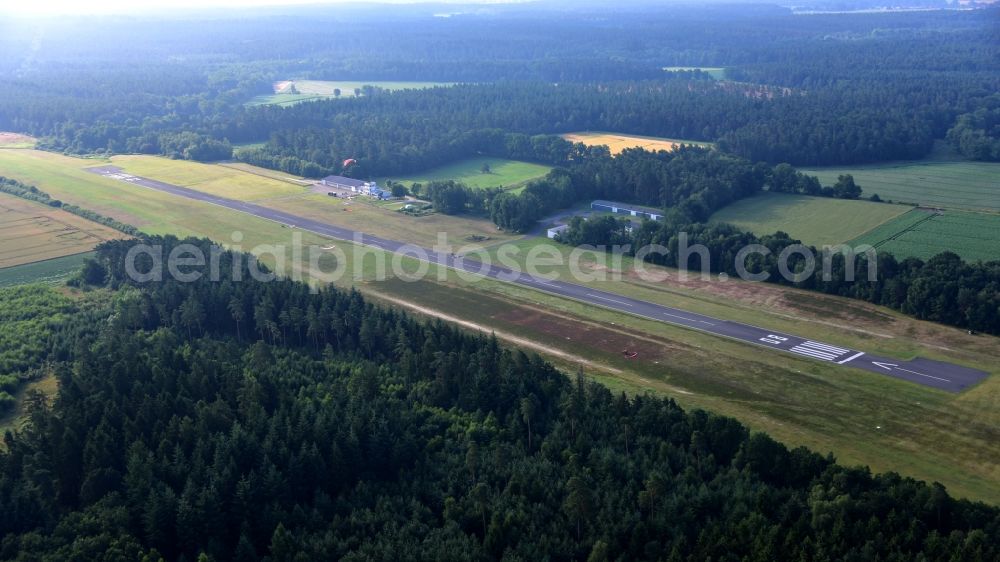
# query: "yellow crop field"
618, 142
32, 232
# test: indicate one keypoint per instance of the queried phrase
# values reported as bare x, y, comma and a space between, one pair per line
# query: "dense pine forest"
262, 421
274, 421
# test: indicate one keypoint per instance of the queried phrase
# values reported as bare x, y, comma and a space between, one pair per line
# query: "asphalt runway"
936, 374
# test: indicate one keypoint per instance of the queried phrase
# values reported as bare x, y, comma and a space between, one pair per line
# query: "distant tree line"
835, 90
976, 135
693, 181
417, 130
256, 421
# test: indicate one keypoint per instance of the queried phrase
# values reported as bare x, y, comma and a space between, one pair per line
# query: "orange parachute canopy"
349, 162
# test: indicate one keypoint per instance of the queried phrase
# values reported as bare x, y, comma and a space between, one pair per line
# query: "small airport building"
603, 206
556, 230
369, 188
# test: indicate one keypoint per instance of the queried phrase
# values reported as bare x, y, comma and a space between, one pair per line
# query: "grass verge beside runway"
224, 181
382, 220
814, 220
503, 173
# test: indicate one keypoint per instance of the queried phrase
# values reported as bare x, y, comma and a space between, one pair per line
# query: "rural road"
936, 374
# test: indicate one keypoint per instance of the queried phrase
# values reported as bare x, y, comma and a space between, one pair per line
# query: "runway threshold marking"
825, 347
851, 358
813, 353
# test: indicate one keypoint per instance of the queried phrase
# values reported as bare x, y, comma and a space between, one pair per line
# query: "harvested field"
619, 142
32, 232
16, 140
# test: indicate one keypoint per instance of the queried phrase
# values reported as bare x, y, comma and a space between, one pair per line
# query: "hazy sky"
63, 7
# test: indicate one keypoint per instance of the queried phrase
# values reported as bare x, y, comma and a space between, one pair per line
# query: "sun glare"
75, 7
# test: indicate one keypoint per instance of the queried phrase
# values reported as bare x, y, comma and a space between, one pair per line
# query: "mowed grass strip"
224, 181
31, 232
617, 142
814, 220
267, 173
932, 182
381, 220
923, 234
503, 173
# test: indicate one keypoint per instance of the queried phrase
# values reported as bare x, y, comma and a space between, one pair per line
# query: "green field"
503, 173
814, 220
49, 272
218, 180
715, 72
309, 90
238, 148
935, 182
923, 234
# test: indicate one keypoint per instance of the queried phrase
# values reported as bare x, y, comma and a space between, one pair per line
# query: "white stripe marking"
890, 366
825, 347
923, 375
851, 358
813, 353
607, 299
